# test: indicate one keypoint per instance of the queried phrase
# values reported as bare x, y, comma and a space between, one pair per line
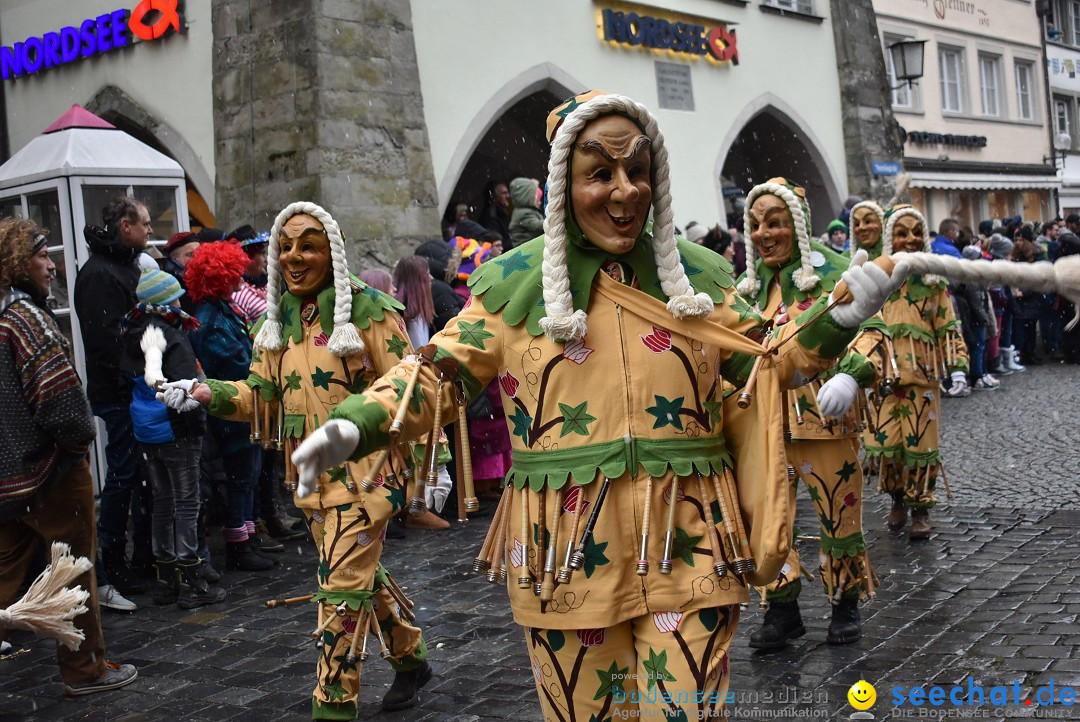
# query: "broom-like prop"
49, 607
1061, 277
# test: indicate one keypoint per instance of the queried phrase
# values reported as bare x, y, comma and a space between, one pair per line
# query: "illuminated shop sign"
679, 38
964, 141
149, 20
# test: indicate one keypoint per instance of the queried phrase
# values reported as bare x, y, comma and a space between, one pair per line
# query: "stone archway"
120, 109
769, 140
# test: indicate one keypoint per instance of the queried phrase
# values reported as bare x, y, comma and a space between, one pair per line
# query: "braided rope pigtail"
270, 335
750, 286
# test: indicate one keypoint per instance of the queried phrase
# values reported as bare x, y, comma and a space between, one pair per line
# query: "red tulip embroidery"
517, 554
850, 499
509, 384
570, 500
590, 637
667, 622
576, 351
348, 624
803, 305
322, 339
658, 341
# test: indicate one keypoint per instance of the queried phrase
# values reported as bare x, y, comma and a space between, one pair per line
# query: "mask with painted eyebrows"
304, 255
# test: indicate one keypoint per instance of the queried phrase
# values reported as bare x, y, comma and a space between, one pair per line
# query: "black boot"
165, 587
844, 627
281, 529
264, 542
782, 622
209, 573
119, 574
194, 591
404, 693
143, 564
242, 555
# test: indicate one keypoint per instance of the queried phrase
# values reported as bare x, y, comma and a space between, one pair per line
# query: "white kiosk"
64, 178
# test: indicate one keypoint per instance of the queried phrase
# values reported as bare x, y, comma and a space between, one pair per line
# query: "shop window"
1074, 22
1025, 104
998, 205
1034, 205
962, 205
1062, 123
951, 62
990, 84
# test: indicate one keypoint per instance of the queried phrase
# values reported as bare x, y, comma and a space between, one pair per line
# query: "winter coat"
153, 422
447, 303
526, 222
223, 347
45, 422
104, 292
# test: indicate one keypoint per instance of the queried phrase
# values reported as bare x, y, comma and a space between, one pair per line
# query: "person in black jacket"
104, 292
443, 269
156, 350
973, 310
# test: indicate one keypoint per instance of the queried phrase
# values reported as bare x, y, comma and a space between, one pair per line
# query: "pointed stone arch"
769, 138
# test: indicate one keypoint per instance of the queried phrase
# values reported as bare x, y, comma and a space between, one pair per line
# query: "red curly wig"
214, 270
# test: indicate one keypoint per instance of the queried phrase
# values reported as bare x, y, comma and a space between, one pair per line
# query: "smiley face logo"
862, 695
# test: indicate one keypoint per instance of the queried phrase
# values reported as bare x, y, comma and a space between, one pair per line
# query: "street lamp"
907, 61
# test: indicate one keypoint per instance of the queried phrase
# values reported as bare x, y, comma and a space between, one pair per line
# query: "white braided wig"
804, 277
929, 279
877, 210
561, 321
345, 340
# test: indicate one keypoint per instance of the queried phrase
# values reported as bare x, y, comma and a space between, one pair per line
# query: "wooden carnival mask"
908, 235
866, 227
304, 255
771, 230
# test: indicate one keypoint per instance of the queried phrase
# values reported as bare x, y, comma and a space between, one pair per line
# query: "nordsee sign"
148, 20
679, 38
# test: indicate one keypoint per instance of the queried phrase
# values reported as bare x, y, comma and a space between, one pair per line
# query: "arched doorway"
513, 146
771, 144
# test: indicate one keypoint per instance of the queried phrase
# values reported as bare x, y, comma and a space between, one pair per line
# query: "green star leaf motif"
372, 293
881, 437
256, 355
666, 412
396, 496
358, 385
571, 105
337, 475
815, 493
715, 409
344, 664
594, 556
522, 422
911, 394
417, 397
847, 471
536, 536
611, 679
576, 419
513, 262
556, 639
709, 618
286, 317
744, 309
328, 639
805, 403
826, 523
912, 440
683, 547
473, 334
941, 312
333, 692
324, 572
656, 668
321, 378
293, 380
343, 507
396, 346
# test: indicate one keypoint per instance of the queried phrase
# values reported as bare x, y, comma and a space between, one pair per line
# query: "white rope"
561, 322
1061, 277
48, 607
345, 340
877, 210
804, 277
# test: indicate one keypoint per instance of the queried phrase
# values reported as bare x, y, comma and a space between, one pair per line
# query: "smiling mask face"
610, 182
908, 235
866, 227
304, 255
771, 230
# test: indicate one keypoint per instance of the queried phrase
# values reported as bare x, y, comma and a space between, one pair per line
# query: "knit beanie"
836, 225
878, 211
795, 198
345, 340
564, 123
158, 288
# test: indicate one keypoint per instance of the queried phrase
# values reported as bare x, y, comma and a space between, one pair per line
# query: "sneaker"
5, 648
110, 598
115, 677
981, 384
958, 392
991, 379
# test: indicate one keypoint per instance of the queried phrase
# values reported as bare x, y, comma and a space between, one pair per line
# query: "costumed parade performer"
327, 336
635, 519
904, 451
786, 273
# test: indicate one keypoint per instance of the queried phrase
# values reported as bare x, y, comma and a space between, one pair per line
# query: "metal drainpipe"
5, 148
1042, 11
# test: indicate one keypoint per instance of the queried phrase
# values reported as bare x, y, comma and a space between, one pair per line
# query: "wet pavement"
993, 596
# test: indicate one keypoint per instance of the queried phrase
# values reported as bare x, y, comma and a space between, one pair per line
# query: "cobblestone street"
994, 594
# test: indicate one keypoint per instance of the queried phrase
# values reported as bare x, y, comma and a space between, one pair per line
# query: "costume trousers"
173, 470
63, 513
664, 665
350, 541
830, 470
904, 451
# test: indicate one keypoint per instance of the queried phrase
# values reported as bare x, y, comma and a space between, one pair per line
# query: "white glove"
329, 446
837, 394
870, 287
177, 395
435, 496
959, 381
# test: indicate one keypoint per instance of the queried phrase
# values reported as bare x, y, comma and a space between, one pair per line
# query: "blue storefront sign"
885, 168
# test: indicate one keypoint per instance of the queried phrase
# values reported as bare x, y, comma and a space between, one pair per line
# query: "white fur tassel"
696, 305
565, 329
49, 607
153, 347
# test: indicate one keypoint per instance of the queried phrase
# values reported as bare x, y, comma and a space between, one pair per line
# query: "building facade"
1062, 32
975, 126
